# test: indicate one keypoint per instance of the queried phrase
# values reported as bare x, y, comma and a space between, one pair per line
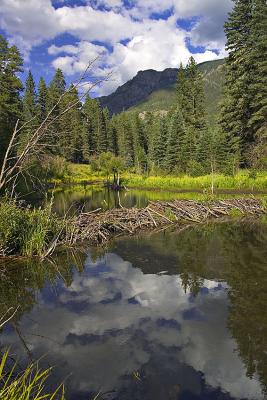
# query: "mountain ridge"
138, 89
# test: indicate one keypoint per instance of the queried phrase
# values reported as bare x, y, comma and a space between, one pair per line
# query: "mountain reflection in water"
162, 316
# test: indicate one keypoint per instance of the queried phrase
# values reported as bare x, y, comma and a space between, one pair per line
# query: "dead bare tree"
14, 163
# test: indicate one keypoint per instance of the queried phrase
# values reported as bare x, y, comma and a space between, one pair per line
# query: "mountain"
152, 90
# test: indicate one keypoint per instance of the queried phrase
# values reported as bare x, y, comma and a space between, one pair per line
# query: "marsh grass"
30, 384
26, 231
243, 180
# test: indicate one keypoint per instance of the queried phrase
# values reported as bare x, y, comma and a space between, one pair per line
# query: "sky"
122, 36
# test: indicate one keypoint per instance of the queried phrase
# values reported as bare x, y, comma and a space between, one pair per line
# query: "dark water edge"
166, 315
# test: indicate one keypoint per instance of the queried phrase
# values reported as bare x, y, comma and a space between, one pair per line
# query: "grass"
26, 231
78, 174
30, 384
241, 181
244, 180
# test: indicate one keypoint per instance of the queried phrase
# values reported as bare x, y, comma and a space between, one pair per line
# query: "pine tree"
102, 138
195, 114
10, 88
30, 104
113, 146
140, 143
258, 78
72, 133
183, 95
125, 138
160, 140
42, 101
176, 147
90, 111
55, 92
236, 107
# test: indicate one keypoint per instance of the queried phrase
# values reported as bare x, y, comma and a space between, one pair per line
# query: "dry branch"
98, 227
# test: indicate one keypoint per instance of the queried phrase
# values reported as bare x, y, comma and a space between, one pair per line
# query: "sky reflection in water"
134, 334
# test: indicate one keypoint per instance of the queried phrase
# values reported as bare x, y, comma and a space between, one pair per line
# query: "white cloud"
156, 44
78, 57
126, 335
160, 45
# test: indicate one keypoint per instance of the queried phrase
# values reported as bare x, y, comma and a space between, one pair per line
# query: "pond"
90, 197
177, 314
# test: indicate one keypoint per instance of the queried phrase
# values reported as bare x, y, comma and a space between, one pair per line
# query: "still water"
169, 315
75, 198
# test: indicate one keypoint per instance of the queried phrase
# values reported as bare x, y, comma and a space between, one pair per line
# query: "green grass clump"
29, 384
25, 231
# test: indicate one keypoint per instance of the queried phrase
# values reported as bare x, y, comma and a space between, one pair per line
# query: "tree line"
178, 141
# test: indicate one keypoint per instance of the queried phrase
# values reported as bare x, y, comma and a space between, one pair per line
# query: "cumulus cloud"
135, 40
114, 320
161, 45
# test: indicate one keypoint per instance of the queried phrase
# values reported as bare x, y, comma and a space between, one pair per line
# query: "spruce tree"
30, 103
10, 88
236, 106
175, 159
56, 90
42, 101
125, 138
113, 146
90, 112
195, 114
72, 134
102, 138
140, 142
160, 140
183, 95
258, 78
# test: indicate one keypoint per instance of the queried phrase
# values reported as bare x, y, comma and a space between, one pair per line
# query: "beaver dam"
97, 227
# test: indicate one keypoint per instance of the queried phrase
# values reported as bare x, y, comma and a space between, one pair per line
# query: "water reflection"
90, 197
155, 317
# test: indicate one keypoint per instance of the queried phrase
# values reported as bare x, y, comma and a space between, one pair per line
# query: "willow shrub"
30, 384
26, 231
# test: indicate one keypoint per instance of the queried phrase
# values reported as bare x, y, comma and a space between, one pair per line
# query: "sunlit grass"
78, 174
244, 180
241, 181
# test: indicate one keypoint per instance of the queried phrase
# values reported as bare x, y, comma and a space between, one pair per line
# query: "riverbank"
245, 180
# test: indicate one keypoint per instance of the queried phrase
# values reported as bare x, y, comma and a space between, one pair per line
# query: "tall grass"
241, 181
26, 231
244, 180
30, 384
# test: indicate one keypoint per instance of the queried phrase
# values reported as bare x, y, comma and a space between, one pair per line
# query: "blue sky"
124, 35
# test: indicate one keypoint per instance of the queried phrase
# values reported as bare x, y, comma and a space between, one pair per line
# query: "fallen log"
100, 226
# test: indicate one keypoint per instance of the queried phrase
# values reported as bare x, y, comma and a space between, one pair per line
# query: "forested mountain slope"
151, 90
